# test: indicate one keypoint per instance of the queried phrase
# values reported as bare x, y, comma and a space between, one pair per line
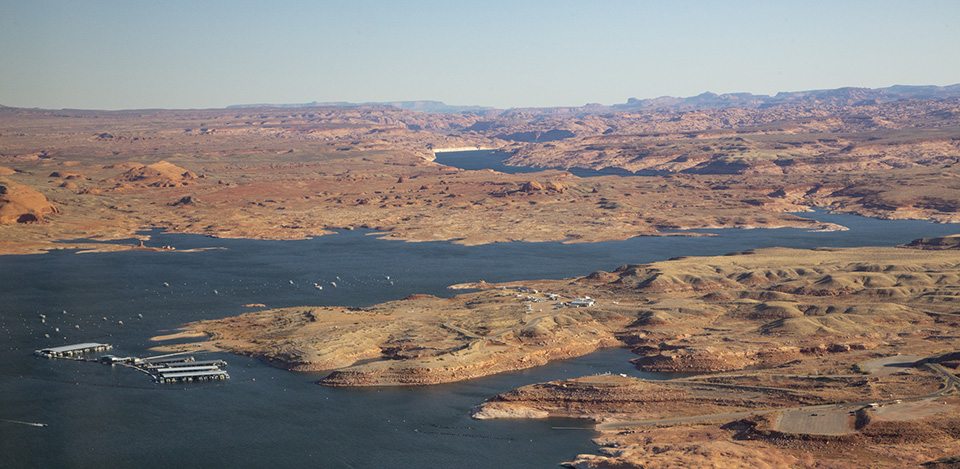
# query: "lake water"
493, 159
98, 416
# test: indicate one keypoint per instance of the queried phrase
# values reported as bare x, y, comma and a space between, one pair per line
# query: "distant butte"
21, 204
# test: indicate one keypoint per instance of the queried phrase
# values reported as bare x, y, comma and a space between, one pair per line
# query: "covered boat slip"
214, 374
165, 360
186, 364
71, 350
185, 369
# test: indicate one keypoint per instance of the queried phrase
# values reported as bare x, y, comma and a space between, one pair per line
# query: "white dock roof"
184, 369
194, 374
70, 348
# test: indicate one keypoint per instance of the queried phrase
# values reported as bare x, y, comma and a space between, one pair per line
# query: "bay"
493, 159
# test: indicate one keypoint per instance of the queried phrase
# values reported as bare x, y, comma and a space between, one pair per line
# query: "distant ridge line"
845, 96
420, 106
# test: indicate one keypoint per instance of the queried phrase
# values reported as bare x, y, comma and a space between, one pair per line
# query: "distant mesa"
536, 136
848, 96
532, 186
66, 175
21, 204
939, 243
160, 174
124, 166
187, 200
536, 186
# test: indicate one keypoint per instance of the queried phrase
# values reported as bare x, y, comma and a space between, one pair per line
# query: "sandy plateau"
816, 358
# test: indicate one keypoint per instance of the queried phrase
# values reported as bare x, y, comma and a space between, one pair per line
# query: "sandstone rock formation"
160, 174
66, 175
586, 397
945, 242
21, 204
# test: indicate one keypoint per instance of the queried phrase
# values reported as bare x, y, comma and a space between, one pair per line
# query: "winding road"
814, 425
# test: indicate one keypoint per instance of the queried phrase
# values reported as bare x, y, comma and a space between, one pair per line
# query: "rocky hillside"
21, 204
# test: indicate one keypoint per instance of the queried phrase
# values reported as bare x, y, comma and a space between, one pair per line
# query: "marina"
163, 370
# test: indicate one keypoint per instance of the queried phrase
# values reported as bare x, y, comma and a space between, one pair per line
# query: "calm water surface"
98, 416
493, 159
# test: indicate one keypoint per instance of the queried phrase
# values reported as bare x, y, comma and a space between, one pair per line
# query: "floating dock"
185, 369
156, 366
72, 350
188, 376
113, 359
162, 361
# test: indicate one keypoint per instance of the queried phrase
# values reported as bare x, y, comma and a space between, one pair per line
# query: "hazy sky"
128, 54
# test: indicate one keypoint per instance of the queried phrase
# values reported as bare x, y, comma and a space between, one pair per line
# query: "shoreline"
106, 246
789, 293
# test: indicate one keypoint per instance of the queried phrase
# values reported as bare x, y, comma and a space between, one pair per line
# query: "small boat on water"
32, 424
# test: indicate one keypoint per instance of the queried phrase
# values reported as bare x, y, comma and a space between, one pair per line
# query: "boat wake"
32, 424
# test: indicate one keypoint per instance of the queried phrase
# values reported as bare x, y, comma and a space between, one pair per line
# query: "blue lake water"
98, 416
493, 159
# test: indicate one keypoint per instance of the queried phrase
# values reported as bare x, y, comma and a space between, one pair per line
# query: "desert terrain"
286, 173
811, 358
311, 176
843, 360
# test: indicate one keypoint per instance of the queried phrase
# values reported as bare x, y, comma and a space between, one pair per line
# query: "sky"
137, 54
